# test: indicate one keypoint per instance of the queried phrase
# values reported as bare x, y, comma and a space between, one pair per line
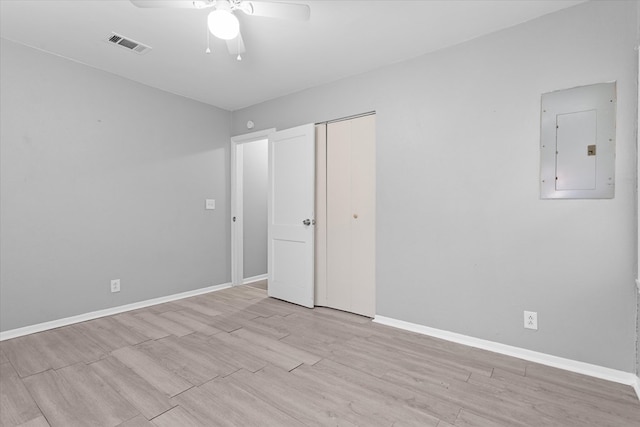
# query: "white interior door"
291, 215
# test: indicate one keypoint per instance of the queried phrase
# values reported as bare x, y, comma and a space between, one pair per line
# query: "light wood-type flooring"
237, 358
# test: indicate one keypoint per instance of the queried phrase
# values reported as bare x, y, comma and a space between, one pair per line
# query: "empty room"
319, 213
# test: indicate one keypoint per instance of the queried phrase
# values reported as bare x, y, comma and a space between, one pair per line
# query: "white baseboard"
14, 333
636, 386
255, 279
601, 372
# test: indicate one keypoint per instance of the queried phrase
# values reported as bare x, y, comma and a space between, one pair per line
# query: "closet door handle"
307, 222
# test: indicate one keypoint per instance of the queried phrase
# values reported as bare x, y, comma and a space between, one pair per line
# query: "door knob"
307, 222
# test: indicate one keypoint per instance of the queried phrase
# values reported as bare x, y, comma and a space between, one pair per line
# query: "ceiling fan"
222, 22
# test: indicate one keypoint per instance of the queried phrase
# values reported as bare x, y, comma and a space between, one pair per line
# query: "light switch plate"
210, 204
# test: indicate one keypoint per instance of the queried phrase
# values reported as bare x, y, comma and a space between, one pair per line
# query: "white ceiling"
342, 38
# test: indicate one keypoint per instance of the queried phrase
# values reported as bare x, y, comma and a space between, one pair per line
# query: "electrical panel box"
577, 143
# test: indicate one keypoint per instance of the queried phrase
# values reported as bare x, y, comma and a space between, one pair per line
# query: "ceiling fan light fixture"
223, 24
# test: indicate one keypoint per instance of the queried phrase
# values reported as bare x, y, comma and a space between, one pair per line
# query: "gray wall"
464, 243
254, 205
103, 178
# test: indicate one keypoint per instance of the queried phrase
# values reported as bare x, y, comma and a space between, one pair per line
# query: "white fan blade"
174, 4
299, 12
236, 46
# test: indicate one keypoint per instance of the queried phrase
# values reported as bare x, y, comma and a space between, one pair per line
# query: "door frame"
237, 227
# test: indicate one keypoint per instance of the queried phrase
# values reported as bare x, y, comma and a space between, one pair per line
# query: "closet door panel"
363, 207
339, 215
351, 215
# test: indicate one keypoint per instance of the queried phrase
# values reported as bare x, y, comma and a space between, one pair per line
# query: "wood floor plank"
211, 321
147, 399
284, 308
306, 342
437, 406
607, 411
496, 360
227, 353
165, 323
75, 396
256, 307
227, 310
138, 421
198, 352
346, 405
356, 359
16, 404
241, 345
291, 397
151, 371
41, 421
489, 401
164, 307
256, 326
220, 321
342, 330
421, 365
192, 304
3, 357
307, 326
178, 416
203, 408
76, 347
25, 356
572, 414
190, 323
583, 383
110, 334
186, 360
246, 408
388, 332
444, 358
277, 346
467, 418
343, 315
364, 401
141, 326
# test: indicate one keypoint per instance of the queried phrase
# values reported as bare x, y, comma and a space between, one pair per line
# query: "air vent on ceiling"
128, 44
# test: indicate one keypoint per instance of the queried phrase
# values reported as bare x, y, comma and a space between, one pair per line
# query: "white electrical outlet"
210, 204
115, 285
531, 320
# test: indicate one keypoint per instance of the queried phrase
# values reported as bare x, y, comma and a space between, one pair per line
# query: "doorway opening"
249, 172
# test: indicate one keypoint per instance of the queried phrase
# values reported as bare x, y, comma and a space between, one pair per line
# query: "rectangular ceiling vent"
128, 44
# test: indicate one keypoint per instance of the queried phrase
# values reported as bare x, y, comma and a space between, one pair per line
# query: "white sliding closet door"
350, 215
